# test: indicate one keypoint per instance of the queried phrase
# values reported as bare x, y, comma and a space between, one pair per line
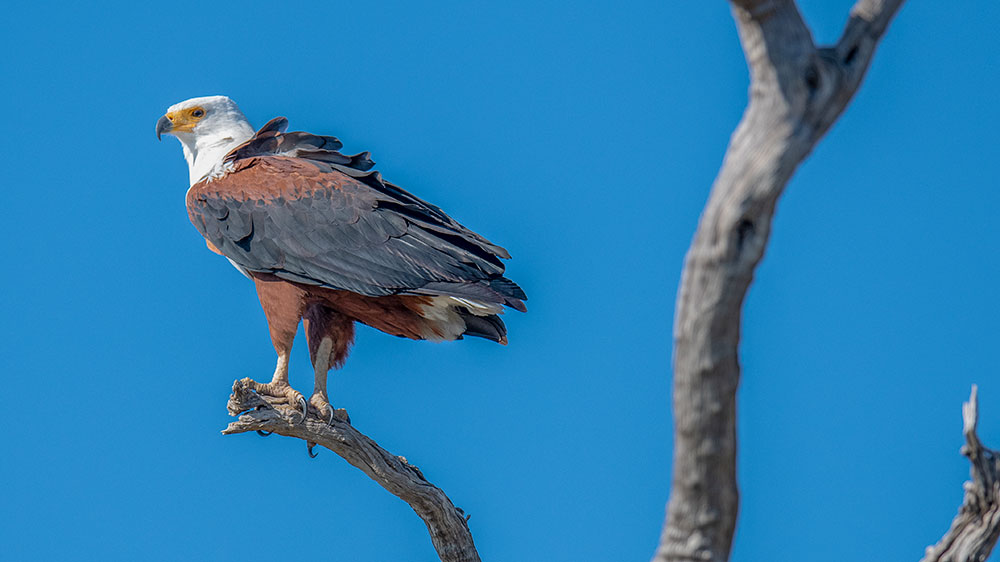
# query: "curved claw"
305, 408
263, 433
312, 455
330, 422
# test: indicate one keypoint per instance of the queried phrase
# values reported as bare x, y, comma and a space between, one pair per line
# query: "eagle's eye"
198, 113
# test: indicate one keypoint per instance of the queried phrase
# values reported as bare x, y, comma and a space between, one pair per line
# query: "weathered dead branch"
797, 91
975, 529
445, 523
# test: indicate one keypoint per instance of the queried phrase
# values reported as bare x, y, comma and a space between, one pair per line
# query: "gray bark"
445, 522
797, 91
975, 529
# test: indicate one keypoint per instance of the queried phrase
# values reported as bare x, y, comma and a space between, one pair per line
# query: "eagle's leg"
321, 364
330, 335
283, 304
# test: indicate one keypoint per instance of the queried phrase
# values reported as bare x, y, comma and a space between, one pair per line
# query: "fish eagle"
329, 242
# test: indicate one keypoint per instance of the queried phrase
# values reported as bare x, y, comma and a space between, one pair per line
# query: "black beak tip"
163, 126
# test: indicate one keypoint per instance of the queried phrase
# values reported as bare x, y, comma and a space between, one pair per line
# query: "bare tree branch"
797, 91
445, 523
975, 529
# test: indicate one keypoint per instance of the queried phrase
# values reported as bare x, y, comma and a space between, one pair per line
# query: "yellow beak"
176, 122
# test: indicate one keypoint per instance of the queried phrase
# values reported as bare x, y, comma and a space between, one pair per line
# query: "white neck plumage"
204, 152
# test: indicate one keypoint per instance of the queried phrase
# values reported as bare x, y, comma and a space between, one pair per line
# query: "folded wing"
293, 207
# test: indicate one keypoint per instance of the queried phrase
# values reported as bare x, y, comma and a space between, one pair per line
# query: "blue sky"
584, 140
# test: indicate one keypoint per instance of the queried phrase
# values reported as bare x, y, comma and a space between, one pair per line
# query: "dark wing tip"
516, 305
488, 327
508, 288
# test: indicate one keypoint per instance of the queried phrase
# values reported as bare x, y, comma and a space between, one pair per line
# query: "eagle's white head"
208, 129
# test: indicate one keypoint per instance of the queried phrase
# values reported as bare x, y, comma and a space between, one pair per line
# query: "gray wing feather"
348, 230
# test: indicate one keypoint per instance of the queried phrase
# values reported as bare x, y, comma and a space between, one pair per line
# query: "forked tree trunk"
797, 91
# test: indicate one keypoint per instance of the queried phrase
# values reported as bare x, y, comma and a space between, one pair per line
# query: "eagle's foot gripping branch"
278, 393
326, 411
265, 412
